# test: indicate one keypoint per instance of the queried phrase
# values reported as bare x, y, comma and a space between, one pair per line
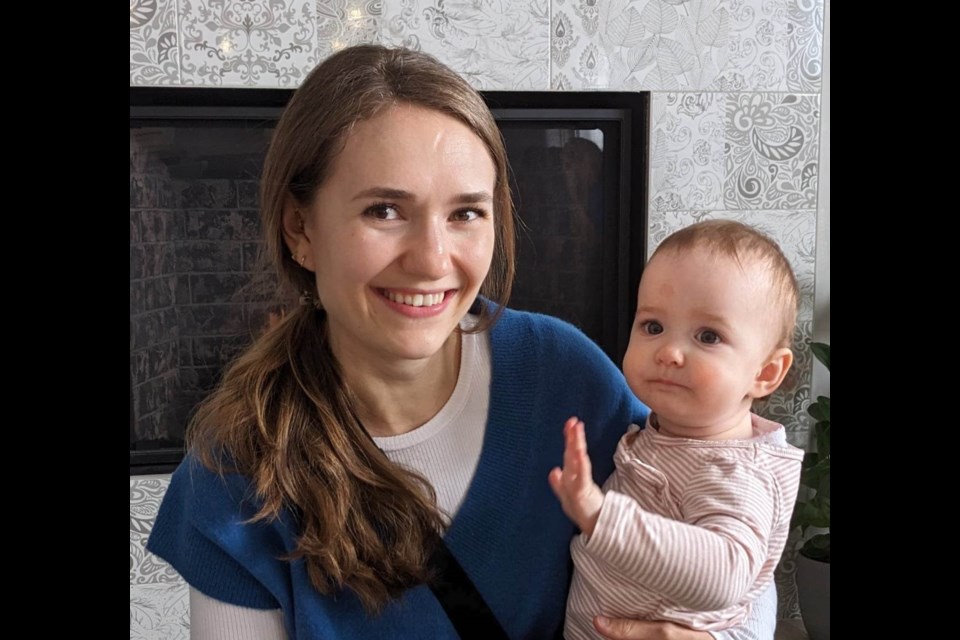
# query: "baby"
693, 521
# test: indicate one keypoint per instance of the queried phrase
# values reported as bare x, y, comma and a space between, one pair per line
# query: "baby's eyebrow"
715, 321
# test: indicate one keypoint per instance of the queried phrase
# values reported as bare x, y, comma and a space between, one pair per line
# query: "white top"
445, 450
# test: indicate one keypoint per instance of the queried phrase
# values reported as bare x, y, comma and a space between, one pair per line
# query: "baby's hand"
579, 495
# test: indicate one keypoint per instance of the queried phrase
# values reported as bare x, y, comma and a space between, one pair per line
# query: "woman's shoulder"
525, 325
548, 346
211, 496
203, 530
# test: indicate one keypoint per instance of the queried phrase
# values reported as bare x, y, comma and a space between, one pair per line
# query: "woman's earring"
302, 258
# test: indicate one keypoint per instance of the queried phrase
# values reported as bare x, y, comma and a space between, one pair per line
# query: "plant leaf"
820, 410
823, 438
817, 547
821, 352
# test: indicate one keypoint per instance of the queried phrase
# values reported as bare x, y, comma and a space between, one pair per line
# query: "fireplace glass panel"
197, 296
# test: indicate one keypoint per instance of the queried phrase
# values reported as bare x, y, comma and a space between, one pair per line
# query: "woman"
400, 400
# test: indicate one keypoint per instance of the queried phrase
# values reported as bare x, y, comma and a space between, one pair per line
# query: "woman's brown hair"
282, 413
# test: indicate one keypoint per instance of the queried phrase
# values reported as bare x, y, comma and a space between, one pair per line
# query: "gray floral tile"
785, 578
154, 48
795, 232
773, 46
686, 151
650, 45
146, 493
687, 45
577, 59
772, 151
269, 43
496, 44
343, 23
160, 612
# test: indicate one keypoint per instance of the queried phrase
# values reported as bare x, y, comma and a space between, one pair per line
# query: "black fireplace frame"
629, 111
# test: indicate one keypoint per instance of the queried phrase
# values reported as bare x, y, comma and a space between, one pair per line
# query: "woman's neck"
398, 397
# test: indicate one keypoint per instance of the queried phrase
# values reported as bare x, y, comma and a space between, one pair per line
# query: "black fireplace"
579, 177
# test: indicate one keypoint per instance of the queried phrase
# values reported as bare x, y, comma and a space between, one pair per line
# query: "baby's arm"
708, 562
579, 495
761, 624
711, 559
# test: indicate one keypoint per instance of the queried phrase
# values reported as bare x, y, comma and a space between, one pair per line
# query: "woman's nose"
428, 250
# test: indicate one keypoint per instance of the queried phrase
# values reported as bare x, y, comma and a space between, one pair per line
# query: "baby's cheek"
705, 378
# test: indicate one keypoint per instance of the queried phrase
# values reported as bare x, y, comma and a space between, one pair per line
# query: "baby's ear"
771, 375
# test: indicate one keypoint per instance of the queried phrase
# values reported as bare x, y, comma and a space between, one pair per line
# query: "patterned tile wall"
159, 598
735, 90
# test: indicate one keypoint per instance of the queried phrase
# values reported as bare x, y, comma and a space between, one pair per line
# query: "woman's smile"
401, 234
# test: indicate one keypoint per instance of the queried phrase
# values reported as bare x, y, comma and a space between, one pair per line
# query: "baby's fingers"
555, 478
582, 459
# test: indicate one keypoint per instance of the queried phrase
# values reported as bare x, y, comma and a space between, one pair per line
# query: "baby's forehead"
749, 263
749, 274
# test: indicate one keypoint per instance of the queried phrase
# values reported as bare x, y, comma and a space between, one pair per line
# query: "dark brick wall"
193, 247
155, 225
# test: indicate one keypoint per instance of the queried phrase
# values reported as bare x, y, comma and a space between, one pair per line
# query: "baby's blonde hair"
745, 244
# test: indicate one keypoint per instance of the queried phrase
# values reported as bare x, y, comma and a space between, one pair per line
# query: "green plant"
812, 511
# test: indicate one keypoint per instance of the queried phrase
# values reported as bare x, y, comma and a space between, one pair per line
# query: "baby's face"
703, 331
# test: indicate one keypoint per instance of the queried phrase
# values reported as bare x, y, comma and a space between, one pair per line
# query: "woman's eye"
382, 212
652, 327
467, 215
709, 337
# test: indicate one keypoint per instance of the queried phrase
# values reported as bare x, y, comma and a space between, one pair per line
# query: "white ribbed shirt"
445, 450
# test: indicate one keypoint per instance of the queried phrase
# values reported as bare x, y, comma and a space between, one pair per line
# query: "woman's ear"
772, 373
294, 234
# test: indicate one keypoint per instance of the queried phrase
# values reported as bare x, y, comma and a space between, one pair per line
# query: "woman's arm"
212, 619
761, 623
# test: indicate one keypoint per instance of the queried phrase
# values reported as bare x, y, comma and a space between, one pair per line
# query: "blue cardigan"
509, 535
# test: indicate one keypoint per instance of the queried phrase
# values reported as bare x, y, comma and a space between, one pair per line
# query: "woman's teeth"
415, 300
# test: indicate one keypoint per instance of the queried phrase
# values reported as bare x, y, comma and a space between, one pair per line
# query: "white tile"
160, 612
247, 44
154, 43
343, 23
686, 151
654, 45
772, 151
773, 45
494, 44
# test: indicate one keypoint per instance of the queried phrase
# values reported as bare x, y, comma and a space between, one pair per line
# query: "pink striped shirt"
690, 531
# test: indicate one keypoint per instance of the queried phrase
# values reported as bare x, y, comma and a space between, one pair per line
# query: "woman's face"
401, 234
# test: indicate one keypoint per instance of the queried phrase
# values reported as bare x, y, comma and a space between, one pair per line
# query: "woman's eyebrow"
476, 196
384, 192
389, 193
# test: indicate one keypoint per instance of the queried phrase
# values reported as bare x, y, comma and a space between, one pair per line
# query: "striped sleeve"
710, 561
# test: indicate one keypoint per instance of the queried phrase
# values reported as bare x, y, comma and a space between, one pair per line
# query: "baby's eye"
467, 215
652, 327
709, 337
382, 212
